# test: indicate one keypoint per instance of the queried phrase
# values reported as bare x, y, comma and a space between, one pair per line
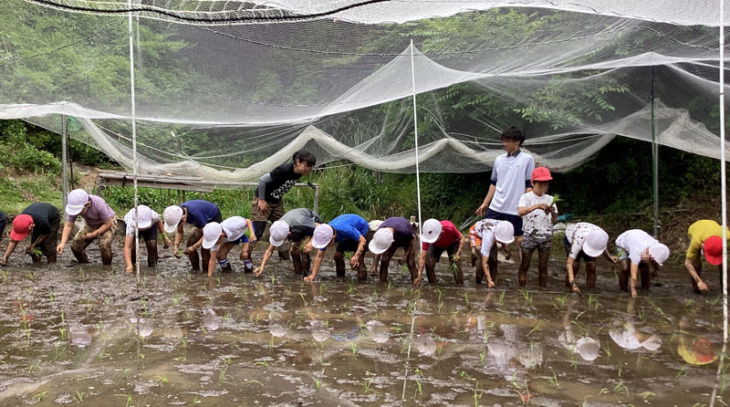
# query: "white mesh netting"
227, 90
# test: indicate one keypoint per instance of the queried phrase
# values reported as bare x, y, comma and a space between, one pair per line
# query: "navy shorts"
515, 220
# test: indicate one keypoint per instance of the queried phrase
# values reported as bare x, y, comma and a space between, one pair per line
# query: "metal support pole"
64, 159
655, 161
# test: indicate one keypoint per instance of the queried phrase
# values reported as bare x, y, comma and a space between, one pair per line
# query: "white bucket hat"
431, 231
382, 239
504, 232
76, 201
595, 243
278, 232
172, 216
211, 233
322, 236
659, 253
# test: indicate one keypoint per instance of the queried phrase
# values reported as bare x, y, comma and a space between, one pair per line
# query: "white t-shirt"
577, 233
510, 172
234, 227
144, 211
485, 230
634, 242
537, 223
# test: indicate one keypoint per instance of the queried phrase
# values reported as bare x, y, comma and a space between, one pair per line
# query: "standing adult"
267, 204
510, 179
41, 220
101, 224
705, 236
196, 213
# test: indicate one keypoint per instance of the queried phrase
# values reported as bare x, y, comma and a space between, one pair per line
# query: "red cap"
21, 227
713, 250
541, 174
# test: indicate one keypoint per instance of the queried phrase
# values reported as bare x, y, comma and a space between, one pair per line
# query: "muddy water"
89, 335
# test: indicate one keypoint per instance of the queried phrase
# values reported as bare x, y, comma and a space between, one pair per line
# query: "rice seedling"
477, 394
466, 299
31, 276
464, 375
621, 388
366, 386
79, 396
222, 375
353, 346
130, 402
527, 296
645, 395
39, 397
317, 384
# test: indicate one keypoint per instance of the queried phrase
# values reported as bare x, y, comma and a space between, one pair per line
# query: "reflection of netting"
220, 97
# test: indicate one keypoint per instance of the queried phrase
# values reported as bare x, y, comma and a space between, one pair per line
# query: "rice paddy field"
91, 335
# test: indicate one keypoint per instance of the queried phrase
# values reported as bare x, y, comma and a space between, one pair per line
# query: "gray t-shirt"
301, 223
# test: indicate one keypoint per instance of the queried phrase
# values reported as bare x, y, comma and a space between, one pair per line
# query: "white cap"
504, 232
322, 236
595, 243
587, 348
211, 233
278, 232
76, 201
659, 253
382, 239
172, 216
431, 231
145, 217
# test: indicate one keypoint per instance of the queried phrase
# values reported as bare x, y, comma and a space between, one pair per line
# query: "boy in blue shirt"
196, 213
350, 233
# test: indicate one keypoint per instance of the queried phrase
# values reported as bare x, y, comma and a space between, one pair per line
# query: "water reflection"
211, 320
320, 332
586, 347
378, 331
277, 326
626, 335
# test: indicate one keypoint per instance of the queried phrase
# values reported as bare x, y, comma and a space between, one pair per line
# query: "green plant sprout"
556, 199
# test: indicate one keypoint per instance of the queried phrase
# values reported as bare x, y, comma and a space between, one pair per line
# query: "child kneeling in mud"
538, 213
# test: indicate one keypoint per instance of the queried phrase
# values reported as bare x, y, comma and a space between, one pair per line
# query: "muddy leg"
479, 275
412, 267
493, 263
340, 264
152, 256
283, 252
590, 275
296, 257
645, 276
78, 248
431, 261
51, 258
385, 262
105, 246
524, 266
542, 268
623, 276
194, 257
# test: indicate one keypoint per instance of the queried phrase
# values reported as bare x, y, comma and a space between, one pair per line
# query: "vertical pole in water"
134, 136
64, 158
654, 159
415, 129
722, 168
418, 196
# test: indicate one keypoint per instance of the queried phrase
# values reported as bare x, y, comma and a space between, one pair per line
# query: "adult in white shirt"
510, 179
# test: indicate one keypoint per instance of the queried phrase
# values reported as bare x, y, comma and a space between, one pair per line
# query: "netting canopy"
226, 90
